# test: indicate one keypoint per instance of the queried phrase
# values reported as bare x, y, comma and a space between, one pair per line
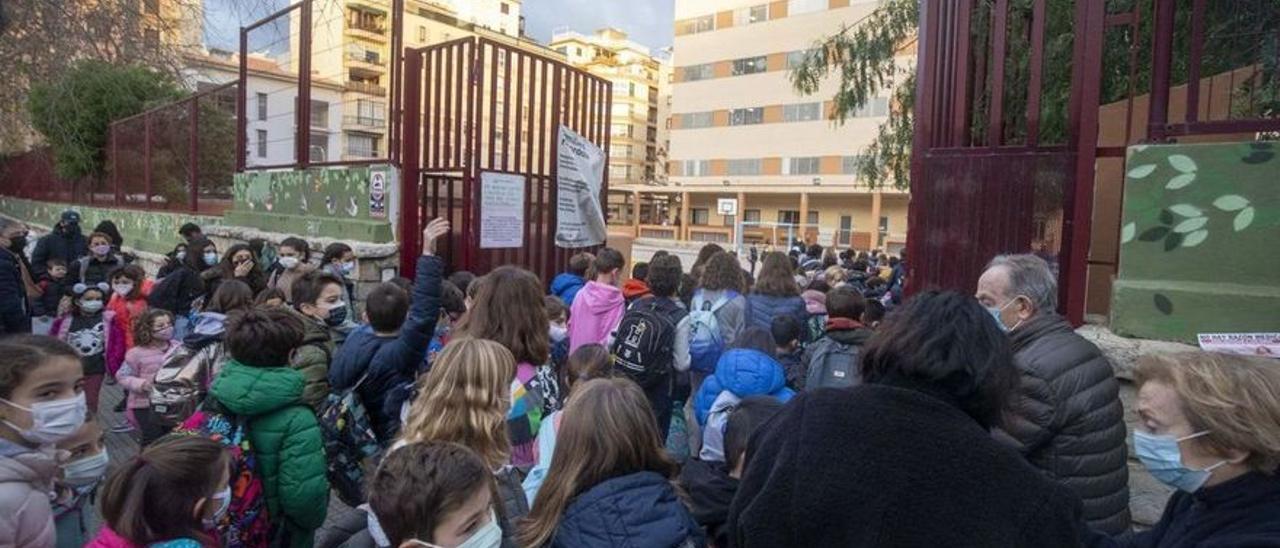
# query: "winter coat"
1244, 511
566, 286
129, 309
312, 360
140, 366
59, 244
15, 309
632, 511
54, 291
896, 464
391, 362
1068, 420
286, 441
745, 372
109, 539
595, 314
113, 349
177, 291
634, 289
281, 278
92, 270
215, 275
710, 491
547, 433
524, 419
205, 339
26, 479
762, 309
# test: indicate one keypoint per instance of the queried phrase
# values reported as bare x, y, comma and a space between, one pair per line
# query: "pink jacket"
26, 478
109, 539
140, 366
595, 314
114, 350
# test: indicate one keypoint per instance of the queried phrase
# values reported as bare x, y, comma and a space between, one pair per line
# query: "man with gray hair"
1068, 420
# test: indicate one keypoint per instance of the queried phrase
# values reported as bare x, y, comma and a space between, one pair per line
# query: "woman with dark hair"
238, 263
184, 285
907, 457
775, 294
172, 261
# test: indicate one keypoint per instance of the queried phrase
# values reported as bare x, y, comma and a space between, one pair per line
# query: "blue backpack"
706, 343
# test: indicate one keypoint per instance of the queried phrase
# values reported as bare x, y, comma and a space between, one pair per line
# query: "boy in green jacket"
257, 383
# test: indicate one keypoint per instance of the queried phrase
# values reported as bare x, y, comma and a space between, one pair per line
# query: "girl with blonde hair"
610, 478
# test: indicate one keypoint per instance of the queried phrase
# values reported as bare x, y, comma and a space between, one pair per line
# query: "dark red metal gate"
475, 105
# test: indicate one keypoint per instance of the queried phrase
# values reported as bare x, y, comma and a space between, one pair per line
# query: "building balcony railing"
366, 57
364, 121
369, 31
361, 153
365, 87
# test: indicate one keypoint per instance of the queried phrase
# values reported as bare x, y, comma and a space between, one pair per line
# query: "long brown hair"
508, 309
152, 498
722, 272
608, 431
776, 277
143, 334
464, 399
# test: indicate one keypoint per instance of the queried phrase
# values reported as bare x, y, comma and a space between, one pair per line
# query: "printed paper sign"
579, 217
1266, 345
501, 210
377, 195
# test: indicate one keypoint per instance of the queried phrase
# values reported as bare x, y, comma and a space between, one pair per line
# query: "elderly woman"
1210, 427
906, 459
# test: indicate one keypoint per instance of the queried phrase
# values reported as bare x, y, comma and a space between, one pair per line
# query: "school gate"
474, 106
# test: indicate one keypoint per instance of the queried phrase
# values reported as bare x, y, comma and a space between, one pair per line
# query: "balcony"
365, 87
364, 62
364, 122
369, 30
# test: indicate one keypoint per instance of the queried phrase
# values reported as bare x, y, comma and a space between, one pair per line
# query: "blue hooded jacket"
391, 362
762, 309
566, 286
745, 372
632, 511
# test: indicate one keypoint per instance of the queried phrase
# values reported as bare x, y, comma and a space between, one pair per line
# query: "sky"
648, 22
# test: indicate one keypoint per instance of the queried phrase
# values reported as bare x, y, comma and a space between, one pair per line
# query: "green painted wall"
331, 202
1200, 241
155, 232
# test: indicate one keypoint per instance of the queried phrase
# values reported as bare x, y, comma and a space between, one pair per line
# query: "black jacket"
91, 271
892, 466
710, 491
1068, 420
15, 310
176, 291
1242, 512
58, 244
54, 291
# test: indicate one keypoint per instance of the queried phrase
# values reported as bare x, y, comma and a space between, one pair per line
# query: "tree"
74, 111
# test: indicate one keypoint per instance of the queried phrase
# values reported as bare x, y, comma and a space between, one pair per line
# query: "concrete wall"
1198, 238
145, 231
331, 202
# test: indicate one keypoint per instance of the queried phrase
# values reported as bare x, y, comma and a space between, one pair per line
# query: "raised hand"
435, 229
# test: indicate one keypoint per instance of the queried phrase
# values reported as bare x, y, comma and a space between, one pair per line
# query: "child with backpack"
717, 315
54, 286
592, 361
652, 345
260, 391
380, 362
598, 308
93, 332
833, 359
787, 333
637, 287
749, 369
153, 333
41, 404
166, 497
435, 494
318, 299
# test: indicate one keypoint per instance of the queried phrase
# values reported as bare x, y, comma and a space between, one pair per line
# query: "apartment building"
636, 113
740, 131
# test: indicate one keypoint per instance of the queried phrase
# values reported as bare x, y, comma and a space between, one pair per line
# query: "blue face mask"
1162, 457
210, 259
995, 313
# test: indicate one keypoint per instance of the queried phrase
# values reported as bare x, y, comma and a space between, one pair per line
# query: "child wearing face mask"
55, 285
558, 317
292, 262
169, 496
153, 333
434, 495
129, 291
96, 267
41, 403
78, 477
91, 330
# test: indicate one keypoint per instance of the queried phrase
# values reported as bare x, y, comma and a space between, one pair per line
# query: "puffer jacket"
1068, 420
745, 372
762, 309
26, 479
66, 244
286, 441
632, 511
566, 286
312, 360
205, 341
15, 309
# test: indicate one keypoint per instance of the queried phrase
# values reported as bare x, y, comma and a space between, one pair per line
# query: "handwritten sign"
501, 210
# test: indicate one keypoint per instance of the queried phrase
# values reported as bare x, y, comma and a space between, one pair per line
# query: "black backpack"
833, 364
644, 346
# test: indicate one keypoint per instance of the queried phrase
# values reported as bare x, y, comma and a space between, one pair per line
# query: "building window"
698, 24
564, 50
795, 58
701, 216
803, 166
750, 65
371, 113
744, 167
803, 112
506, 8
694, 73
875, 107
262, 106
620, 130
849, 165
728, 220
362, 146
697, 120
751, 216
753, 14
319, 146
884, 225
262, 143
319, 114
697, 168
812, 218
788, 217
620, 151
577, 51
746, 116
422, 34
798, 7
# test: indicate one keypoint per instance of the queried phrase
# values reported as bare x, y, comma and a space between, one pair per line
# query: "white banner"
1266, 345
579, 217
501, 210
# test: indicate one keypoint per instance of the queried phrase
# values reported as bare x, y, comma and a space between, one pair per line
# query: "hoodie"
286, 441
566, 286
594, 315
634, 289
26, 479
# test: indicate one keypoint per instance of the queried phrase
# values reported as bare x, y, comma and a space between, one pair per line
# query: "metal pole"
303, 112
146, 168
242, 103
1161, 67
193, 153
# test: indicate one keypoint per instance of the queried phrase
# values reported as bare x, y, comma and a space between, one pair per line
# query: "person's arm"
424, 311
313, 362
303, 484
12, 315
128, 376
680, 347
1030, 423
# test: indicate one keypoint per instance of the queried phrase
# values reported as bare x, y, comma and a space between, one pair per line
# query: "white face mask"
488, 535
289, 263
558, 332
122, 289
52, 421
86, 471
223, 499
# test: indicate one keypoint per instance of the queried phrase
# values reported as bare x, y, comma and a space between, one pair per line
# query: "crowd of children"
599, 410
